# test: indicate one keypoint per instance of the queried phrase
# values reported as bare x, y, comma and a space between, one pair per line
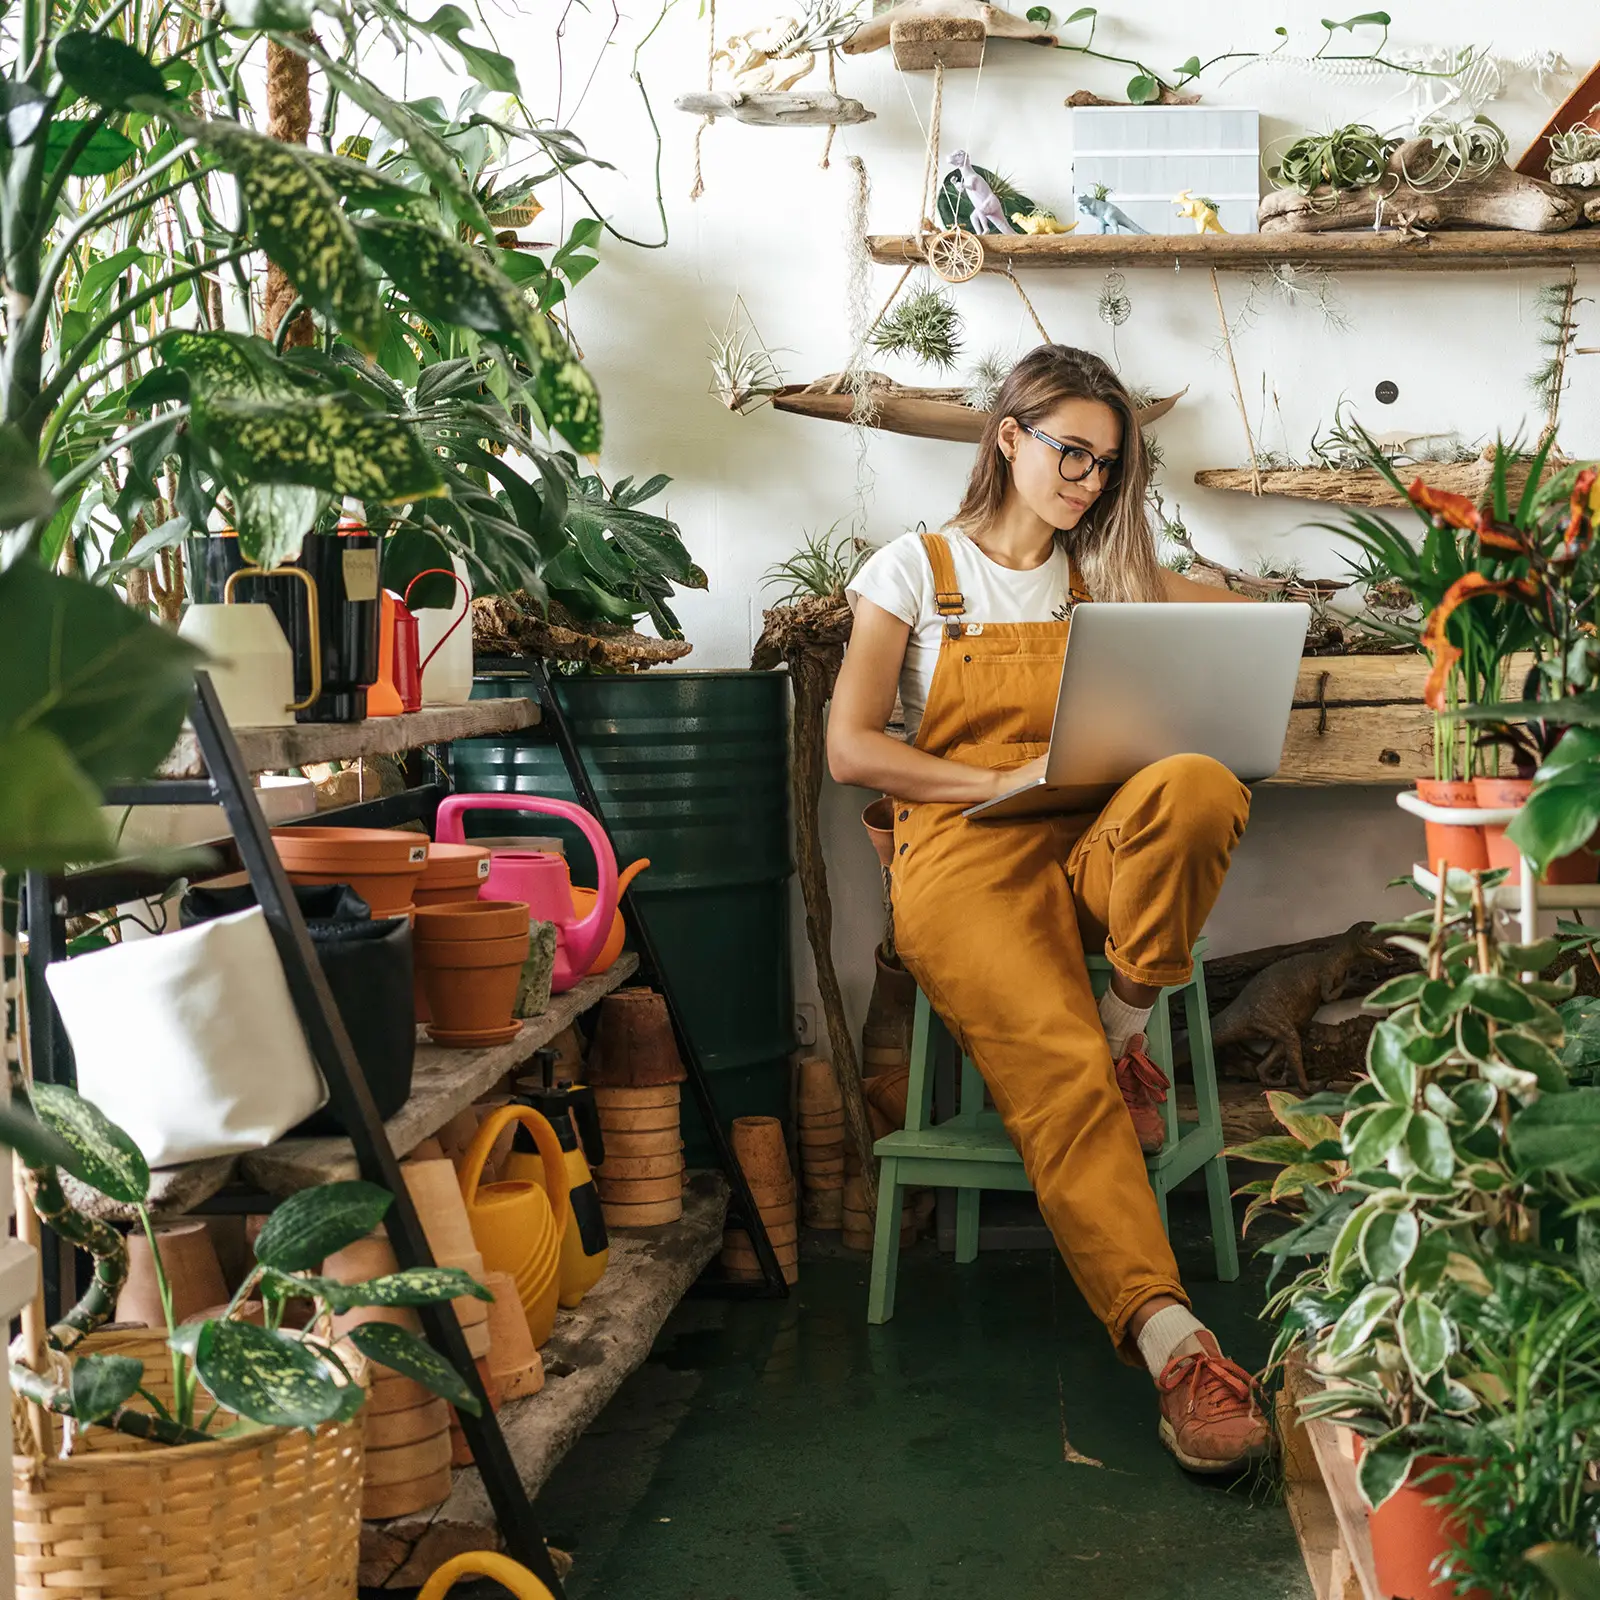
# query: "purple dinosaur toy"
988, 215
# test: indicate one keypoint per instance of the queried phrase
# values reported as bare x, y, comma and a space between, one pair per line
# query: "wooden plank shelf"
275, 749
443, 1083
1363, 486
594, 1347
1359, 249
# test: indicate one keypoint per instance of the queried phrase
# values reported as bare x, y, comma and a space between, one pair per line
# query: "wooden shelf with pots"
443, 1083
1449, 250
276, 749
593, 1349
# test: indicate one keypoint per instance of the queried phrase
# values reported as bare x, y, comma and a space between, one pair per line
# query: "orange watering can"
583, 904
518, 1226
511, 1576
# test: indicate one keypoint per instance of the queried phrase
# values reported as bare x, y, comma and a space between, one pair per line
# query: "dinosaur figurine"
1041, 222
1201, 212
1112, 218
1277, 1005
988, 215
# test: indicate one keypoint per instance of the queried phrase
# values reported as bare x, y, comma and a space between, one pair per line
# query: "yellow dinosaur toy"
1200, 211
1041, 222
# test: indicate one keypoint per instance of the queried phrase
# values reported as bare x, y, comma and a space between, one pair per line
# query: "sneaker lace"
1140, 1078
1221, 1386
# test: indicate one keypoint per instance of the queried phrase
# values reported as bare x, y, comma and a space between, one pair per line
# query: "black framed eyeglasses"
1076, 463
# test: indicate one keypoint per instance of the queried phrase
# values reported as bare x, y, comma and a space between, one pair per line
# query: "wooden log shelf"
1358, 719
277, 749
593, 1348
1360, 249
1364, 486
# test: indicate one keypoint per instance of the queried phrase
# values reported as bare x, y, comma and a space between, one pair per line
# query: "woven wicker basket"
274, 1515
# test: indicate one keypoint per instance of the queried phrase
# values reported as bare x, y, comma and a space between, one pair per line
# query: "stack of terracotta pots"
886, 1033
382, 865
460, 1450
635, 1071
436, 1194
821, 1122
407, 1461
469, 956
452, 875
759, 1148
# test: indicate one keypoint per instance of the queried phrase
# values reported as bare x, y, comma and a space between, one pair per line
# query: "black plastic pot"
368, 968
344, 567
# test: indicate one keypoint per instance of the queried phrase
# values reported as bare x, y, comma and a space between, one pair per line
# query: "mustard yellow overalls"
992, 919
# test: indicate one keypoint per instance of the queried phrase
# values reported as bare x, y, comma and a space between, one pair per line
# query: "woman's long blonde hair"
1113, 543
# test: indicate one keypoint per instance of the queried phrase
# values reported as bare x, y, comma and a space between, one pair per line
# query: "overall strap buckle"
948, 599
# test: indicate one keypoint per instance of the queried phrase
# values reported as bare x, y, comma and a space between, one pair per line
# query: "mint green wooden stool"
971, 1151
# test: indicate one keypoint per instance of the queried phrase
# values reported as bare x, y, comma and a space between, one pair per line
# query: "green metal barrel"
691, 770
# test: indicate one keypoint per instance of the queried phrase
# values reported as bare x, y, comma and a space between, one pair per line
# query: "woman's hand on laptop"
1010, 778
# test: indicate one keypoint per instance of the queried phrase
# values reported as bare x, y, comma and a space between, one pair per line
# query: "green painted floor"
986, 1442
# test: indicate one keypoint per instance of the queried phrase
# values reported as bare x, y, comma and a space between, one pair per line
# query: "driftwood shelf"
1363, 487
443, 1083
592, 1350
275, 749
921, 414
1464, 251
795, 109
1358, 719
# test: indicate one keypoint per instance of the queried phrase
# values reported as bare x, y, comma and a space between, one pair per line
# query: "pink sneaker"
1144, 1090
1211, 1416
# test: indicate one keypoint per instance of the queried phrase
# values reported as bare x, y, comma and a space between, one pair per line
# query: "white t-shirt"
899, 578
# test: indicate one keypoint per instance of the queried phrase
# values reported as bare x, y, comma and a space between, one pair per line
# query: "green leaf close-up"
108, 71
101, 1383
316, 1223
272, 1377
406, 1354
106, 1158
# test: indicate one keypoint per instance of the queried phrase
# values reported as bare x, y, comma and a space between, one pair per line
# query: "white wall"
771, 228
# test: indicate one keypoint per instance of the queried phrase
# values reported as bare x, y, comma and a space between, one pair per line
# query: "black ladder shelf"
228, 784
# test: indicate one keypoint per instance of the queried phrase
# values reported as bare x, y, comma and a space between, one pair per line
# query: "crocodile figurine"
1277, 1005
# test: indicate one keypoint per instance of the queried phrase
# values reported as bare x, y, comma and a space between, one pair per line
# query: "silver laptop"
1145, 681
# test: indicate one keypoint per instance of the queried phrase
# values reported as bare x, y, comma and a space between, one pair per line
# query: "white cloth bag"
190, 1042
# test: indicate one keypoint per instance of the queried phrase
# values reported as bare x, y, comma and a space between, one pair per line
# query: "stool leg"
1158, 1033
1158, 1182
1221, 1203
968, 1202
885, 1243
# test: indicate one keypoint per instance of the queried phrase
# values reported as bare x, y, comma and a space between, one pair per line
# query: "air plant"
1554, 303
1113, 305
1573, 146
1295, 285
1466, 148
820, 568
744, 375
1350, 157
925, 325
984, 378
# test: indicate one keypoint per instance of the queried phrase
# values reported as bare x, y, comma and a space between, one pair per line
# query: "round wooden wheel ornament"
956, 255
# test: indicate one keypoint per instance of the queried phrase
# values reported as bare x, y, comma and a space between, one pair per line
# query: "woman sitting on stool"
970, 625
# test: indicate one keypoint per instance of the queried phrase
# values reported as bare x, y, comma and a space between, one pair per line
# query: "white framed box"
1145, 155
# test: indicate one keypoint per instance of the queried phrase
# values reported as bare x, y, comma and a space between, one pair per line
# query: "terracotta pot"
772, 1194
407, 1427
392, 1392
823, 1208
661, 1166
652, 1214
513, 1360
1409, 1536
193, 1275
454, 873
459, 921
1582, 866
456, 1136
878, 820
886, 1033
471, 984
619, 1097
887, 1094
406, 1499
821, 1136
639, 1191
460, 1450
435, 1191
372, 1257
643, 1141
817, 1094
633, 1043
759, 1146
1460, 846
382, 865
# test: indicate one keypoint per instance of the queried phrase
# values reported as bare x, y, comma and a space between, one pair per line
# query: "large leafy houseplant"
1408, 1195
266, 1375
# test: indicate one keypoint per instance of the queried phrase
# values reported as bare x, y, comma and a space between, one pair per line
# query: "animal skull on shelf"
774, 58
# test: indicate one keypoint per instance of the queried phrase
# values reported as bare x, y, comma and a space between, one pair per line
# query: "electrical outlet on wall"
805, 1023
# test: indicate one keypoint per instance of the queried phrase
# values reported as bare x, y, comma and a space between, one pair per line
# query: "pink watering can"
541, 879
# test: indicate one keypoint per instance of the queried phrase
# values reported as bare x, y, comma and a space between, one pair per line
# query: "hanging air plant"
984, 378
744, 373
925, 325
1114, 306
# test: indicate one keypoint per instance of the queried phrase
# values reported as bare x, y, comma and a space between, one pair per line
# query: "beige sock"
1165, 1335
1121, 1021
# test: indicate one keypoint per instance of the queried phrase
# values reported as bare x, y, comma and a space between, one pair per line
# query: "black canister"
344, 567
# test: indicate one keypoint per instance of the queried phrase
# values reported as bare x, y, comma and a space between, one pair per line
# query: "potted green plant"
1408, 1196
233, 1437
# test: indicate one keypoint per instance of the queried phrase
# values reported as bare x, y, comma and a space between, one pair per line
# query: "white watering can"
252, 668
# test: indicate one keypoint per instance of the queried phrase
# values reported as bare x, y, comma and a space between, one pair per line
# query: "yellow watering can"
517, 1225
484, 1564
